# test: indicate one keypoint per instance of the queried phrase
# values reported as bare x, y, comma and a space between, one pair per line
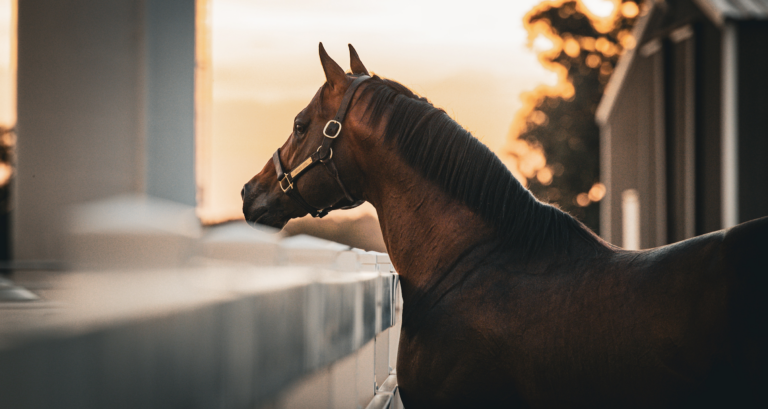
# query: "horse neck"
426, 231
430, 235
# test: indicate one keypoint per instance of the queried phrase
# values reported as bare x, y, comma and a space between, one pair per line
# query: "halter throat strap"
324, 154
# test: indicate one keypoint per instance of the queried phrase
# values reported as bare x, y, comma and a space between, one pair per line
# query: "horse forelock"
448, 155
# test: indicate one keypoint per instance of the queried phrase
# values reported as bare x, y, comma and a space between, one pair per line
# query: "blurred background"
525, 77
127, 128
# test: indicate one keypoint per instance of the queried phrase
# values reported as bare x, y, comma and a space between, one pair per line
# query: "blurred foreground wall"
158, 313
154, 310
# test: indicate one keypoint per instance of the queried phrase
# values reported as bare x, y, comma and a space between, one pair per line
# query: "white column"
169, 50
105, 107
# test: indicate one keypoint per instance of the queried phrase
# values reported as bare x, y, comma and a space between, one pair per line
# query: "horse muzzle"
262, 205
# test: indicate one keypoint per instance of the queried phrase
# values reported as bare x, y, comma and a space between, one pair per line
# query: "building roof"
721, 10
643, 25
647, 27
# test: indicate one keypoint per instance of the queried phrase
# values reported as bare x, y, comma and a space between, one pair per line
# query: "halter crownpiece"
324, 154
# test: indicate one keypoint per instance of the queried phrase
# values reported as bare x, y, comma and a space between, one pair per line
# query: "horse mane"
447, 154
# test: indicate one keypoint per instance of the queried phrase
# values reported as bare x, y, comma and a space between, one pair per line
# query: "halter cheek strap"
324, 154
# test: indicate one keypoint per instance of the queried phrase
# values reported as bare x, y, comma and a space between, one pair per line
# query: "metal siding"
680, 141
720, 10
633, 151
660, 151
689, 135
708, 128
606, 172
651, 167
623, 150
644, 141
752, 86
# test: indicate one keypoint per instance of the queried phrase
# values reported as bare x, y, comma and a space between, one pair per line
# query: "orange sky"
469, 58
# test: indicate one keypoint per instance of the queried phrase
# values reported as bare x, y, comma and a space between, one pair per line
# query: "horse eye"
299, 129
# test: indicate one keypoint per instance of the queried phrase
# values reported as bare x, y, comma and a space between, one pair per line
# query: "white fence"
156, 312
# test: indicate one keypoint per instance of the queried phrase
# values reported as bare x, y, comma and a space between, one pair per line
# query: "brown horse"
509, 302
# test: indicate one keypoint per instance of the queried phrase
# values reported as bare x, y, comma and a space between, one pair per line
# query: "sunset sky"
470, 58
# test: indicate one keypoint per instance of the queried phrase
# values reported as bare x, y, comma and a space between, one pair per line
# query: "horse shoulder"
447, 355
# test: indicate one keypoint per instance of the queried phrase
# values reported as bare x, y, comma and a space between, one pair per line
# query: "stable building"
684, 123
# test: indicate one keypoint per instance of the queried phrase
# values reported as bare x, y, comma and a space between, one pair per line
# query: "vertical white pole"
630, 219
730, 136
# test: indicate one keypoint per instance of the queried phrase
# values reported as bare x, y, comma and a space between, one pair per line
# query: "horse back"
746, 248
677, 325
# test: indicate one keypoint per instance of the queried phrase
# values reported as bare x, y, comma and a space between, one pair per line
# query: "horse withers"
509, 302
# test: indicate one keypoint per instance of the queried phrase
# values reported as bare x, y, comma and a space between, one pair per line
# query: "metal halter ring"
338, 131
329, 156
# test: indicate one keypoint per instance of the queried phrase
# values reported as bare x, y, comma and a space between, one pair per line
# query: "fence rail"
278, 323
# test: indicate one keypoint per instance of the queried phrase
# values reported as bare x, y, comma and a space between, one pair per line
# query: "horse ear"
355, 63
333, 73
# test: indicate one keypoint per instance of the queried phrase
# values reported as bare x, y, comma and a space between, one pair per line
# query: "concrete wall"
105, 106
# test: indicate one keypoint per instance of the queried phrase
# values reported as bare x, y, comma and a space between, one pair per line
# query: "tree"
560, 121
7, 142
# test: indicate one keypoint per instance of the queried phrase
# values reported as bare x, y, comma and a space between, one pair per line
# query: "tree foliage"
563, 123
7, 142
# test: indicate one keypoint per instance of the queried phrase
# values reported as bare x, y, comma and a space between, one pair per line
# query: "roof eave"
713, 12
616, 82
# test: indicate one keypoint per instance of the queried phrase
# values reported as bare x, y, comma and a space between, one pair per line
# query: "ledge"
193, 337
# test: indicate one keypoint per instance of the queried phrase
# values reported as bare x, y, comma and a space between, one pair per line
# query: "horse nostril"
244, 191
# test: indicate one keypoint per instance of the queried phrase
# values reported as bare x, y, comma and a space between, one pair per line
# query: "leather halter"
324, 153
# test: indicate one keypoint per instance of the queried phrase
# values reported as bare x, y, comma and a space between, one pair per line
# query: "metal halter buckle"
289, 187
338, 131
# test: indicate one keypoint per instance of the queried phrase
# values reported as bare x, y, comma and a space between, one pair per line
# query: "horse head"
315, 170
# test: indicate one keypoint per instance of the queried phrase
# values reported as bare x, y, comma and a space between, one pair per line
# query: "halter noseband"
324, 153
